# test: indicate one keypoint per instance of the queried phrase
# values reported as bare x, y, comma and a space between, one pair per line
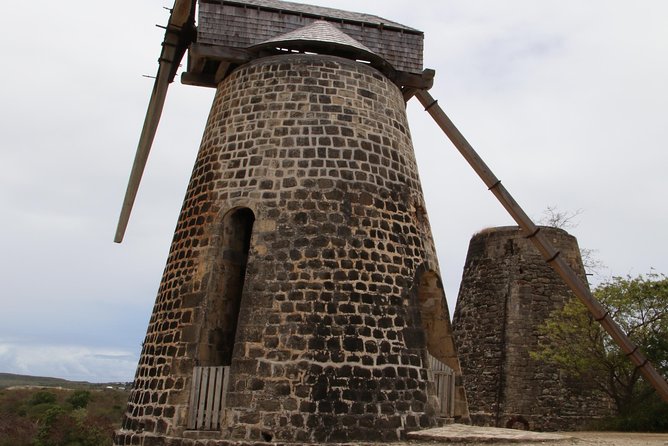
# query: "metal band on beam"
431, 105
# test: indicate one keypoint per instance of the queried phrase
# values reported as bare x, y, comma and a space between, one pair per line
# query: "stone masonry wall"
329, 345
507, 291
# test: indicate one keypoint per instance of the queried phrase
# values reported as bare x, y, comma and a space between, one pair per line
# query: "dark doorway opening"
237, 230
226, 285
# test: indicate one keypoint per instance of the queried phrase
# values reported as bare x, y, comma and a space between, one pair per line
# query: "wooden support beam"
178, 35
219, 52
222, 70
149, 129
408, 93
551, 256
199, 80
422, 81
181, 12
195, 63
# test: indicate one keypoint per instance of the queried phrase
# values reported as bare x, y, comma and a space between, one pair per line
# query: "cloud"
73, 362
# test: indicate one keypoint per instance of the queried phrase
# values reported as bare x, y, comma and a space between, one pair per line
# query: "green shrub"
649, 416
79, 399
42, 397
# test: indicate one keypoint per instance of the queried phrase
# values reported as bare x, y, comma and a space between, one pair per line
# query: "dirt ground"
576, 439
615, 439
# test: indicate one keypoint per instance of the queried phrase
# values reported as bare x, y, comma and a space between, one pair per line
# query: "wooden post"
548, 252
173, 47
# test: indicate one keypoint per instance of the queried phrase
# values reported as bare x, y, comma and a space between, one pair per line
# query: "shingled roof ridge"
318, 31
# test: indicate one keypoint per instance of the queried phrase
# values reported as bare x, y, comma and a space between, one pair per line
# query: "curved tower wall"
507, 292
297, 261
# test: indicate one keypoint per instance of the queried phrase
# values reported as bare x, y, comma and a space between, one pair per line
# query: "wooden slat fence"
207, 397
444, 379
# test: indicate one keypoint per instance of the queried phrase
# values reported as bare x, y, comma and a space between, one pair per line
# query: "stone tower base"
302, 266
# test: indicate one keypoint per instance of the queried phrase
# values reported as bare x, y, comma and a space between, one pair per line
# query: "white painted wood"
207, 397
444, 381
194, 397
201, 407
226, 382
214, 419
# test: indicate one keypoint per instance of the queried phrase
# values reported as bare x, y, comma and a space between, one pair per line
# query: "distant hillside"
11, 380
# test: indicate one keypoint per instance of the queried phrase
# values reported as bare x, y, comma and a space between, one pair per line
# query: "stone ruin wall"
507, 291
329, 347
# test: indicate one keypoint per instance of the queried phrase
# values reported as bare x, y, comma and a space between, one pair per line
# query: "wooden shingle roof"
325, 38
320, 12
233, 32
318, 31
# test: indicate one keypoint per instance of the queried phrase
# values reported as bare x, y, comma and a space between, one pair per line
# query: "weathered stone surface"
303, 259
460, 433
475, 436
507, 292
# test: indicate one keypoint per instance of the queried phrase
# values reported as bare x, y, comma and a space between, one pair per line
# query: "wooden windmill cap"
231, 33
323, 38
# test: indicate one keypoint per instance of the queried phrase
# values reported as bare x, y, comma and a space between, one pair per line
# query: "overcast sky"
566, 101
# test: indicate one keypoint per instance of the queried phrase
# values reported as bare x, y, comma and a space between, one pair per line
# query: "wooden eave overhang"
208, 65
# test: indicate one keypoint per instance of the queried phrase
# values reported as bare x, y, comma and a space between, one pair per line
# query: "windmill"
301, 300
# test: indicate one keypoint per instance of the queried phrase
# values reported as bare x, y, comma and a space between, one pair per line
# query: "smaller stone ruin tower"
507, 292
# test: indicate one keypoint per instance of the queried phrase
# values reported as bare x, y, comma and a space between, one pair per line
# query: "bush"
79, 399
42, 397
60, 417
16, 430
650, 416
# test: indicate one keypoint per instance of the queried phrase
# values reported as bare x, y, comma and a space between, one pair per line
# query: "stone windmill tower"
301, 299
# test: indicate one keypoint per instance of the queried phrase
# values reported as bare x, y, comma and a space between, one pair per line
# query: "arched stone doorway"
435, 321
226, 283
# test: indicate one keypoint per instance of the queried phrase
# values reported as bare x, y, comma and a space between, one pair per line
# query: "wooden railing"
444, 380
207, 397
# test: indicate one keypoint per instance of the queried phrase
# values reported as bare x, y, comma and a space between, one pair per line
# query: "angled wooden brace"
546, 249
178, 35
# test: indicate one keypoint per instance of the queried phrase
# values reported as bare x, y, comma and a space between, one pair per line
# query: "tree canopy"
577, 345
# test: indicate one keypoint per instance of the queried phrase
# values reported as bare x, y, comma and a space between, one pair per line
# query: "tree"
576, 344
556, 218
